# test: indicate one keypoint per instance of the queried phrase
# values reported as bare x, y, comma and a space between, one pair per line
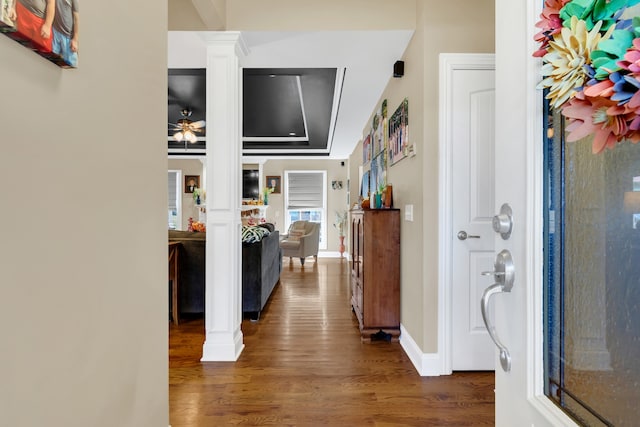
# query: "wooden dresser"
375, 272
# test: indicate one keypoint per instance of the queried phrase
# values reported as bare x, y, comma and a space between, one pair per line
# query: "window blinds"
172, 191
304, 190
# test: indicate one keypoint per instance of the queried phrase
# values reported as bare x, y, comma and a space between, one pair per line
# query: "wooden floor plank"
305, 365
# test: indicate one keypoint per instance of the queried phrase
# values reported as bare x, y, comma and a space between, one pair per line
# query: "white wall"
336, 199
441, 27
83, 259
326, 15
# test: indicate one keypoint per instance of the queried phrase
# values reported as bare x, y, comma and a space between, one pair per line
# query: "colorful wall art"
366, 149
399, 133
47, 27
380, 130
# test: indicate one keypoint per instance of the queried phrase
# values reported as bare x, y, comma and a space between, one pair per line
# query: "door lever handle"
462, 235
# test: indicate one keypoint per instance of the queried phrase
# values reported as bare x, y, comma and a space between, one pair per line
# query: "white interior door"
470, 86
520, 399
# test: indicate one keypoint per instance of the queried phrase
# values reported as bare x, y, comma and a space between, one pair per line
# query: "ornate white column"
223, 290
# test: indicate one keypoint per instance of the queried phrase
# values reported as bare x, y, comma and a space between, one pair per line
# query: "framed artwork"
380, 132
378, 175
399, 133
364, 185
191, 182
273, 182
23, 24
366, 149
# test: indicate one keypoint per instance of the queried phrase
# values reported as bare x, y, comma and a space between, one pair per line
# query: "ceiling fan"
185, 129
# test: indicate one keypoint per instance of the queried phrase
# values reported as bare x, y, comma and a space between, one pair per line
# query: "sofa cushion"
251, 233
268, 226
299, 225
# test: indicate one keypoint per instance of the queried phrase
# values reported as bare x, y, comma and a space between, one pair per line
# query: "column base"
222, 347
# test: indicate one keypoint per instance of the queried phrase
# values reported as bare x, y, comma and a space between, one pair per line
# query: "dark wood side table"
174, 251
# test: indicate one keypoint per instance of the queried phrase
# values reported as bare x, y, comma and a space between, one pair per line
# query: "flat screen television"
250, 189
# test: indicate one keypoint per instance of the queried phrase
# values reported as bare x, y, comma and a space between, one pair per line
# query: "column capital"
226, 38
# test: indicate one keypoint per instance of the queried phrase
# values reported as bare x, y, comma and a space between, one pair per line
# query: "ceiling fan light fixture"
190, 136
186, 130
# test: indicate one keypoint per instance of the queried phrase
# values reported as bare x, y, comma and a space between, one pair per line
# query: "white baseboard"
427, 364
331, 254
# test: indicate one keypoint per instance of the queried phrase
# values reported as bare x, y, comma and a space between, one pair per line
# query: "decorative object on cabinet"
375, 273
388, 196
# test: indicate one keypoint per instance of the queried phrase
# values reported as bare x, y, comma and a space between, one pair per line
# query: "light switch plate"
408, 212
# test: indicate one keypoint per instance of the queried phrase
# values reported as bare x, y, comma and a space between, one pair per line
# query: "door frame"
448, 63
526, 126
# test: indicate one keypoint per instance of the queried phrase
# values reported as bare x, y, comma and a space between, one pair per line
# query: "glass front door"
592, 278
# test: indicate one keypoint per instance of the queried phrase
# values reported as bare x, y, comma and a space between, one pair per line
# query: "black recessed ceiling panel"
287, 109
273, 107
187, 90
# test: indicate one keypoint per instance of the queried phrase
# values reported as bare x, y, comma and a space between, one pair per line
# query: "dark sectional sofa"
261, 267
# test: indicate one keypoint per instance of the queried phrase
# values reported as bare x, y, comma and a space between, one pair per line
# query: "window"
306, 199
175, 207
592, 321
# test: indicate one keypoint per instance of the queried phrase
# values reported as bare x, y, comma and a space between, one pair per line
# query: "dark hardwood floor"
304, 365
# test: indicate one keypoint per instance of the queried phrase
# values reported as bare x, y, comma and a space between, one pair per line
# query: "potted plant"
197, 192
265, 194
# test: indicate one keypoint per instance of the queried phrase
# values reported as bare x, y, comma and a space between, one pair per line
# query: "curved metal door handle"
504, 275
505, 357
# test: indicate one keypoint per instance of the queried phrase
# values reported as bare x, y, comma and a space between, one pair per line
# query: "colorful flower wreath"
591, 59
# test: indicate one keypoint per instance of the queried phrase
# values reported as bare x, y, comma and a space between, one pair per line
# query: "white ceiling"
368, 57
